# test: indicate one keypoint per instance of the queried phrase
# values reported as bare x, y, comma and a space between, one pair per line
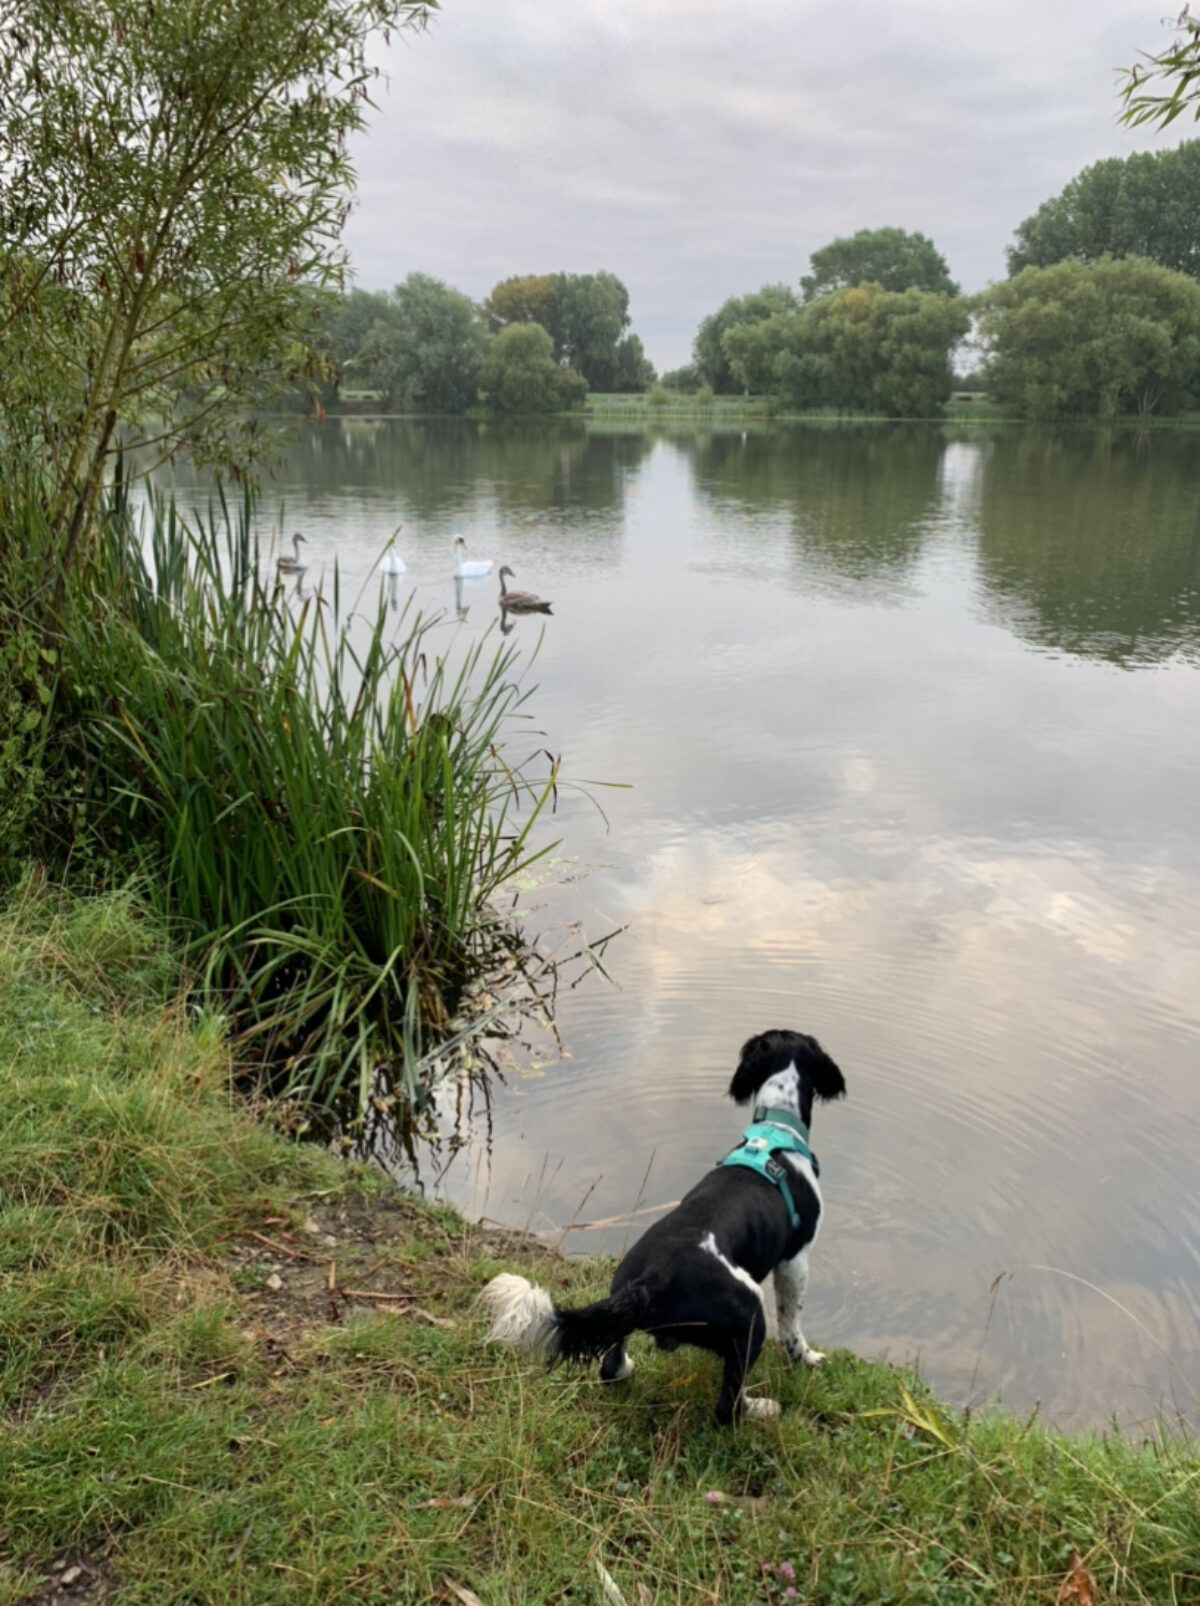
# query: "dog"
694, 1277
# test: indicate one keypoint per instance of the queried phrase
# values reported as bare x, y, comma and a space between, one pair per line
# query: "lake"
906, 726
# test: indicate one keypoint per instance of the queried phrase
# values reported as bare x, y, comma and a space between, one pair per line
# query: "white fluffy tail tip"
522, 1315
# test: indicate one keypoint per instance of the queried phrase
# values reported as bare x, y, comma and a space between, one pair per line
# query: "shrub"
519, 374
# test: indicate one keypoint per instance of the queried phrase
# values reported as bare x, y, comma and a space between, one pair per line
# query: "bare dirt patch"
362, 1252
74, 1580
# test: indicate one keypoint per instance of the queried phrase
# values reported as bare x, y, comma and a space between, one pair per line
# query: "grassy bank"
726, 412
722, 412
232, 1370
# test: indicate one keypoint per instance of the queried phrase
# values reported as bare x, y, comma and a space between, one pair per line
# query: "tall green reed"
319, 796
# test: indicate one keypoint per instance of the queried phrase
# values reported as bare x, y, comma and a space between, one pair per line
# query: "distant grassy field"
672, 403
233, 1370
974, 407
723, 411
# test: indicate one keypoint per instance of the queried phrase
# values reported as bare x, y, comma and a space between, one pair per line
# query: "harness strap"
774, 1171
774, 1131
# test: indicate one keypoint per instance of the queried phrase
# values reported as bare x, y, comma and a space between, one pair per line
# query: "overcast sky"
701, 148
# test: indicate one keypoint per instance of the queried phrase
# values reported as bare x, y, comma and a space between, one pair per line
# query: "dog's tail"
526, 1318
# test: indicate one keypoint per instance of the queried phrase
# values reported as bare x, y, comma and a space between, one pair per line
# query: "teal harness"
775, 1131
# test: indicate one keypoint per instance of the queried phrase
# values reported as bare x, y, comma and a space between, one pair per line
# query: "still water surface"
910, 728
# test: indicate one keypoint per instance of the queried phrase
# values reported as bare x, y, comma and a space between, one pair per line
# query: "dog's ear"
758, 1060
827, 1080
773, 1051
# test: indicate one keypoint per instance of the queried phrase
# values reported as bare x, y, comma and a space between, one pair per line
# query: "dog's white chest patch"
709, 1245
804, 1167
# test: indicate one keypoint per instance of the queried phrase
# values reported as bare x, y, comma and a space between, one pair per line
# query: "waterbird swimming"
519, 601
391, 562
469, 568
292, 564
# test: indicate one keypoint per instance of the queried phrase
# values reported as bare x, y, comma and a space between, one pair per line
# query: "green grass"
163, 1413
730, 411
675, 404
975, 408
678, 407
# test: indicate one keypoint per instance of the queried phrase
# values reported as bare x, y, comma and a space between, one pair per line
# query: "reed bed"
317, 798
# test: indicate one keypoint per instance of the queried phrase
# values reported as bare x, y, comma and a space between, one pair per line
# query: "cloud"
699, 150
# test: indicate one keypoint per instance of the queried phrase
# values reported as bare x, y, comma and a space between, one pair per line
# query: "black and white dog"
694, 1276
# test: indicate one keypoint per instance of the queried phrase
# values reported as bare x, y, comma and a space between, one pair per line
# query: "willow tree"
1116, 336
1158, 89
174, 179
710, 356
864, 349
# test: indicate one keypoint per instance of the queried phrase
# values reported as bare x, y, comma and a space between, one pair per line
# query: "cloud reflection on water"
909, 722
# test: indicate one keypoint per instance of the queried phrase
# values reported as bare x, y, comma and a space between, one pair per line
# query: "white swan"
469, 568
391, 563
292, 565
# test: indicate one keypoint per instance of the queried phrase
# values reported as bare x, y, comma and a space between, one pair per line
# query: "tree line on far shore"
537, 344
1100, 315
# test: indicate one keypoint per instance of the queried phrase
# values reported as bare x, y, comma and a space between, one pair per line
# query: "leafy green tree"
350, 354
593, 315
585, 315
351, 319
1177, 69
174, 186
890, 258
526, 298
632, 369
808, 381
709, 357
864, 349
426, 353
1145, 205
751, 350
918, 334
1118, 335
519, 373
685, 379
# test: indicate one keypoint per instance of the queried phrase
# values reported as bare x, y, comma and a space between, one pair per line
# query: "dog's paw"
798, 1350
758, 1409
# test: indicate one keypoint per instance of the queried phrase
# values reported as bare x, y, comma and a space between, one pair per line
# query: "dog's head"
769, 1053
